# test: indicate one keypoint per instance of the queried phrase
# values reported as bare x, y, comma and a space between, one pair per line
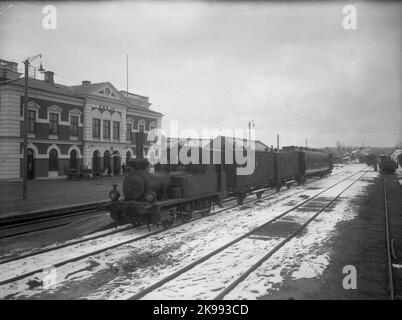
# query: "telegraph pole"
25, 143
277, 142
127, 74
250, 125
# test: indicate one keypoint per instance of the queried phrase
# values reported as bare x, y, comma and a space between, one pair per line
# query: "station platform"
48, 195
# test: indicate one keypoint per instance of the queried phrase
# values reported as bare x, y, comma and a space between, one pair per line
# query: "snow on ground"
142, 263
14, 247
304, 256
206, 280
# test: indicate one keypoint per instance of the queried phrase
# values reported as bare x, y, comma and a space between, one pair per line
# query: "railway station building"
87, 126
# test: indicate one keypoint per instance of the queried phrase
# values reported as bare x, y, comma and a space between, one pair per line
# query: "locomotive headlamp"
114, 195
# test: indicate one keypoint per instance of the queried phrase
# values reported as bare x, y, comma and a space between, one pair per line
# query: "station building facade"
90, 126
112, 119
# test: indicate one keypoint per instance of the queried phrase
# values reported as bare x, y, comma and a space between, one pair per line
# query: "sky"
291, 67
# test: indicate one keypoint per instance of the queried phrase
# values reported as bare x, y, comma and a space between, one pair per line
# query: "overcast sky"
290, 67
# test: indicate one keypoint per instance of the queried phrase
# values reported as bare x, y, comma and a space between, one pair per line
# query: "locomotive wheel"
186, 216
167, 223
241, 196
207, 210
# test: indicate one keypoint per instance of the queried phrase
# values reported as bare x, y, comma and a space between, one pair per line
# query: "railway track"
390, 247
98, 251
48, 215
37, 221
245, 236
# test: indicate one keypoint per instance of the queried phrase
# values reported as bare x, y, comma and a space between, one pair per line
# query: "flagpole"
127, 73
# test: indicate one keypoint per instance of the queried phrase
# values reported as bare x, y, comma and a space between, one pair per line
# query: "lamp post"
25, 143
251, 124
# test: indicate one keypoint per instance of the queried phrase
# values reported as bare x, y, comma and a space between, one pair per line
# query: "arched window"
96, 161
106, 162
53, 160
73, 160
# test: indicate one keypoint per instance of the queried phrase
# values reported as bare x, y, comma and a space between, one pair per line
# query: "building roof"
45, 86
95, 87
189, 142
134, 102
238, 143
396, 154
90, 87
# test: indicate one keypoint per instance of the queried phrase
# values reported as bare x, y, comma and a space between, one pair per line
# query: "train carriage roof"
296, 148
215, 144
238, 143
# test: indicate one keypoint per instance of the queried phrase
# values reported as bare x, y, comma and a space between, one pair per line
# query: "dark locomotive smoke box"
200, 157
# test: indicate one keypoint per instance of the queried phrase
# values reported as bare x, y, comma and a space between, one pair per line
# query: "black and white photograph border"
200, 150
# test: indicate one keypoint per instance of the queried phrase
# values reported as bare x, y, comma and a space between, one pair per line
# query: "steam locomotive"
167, 192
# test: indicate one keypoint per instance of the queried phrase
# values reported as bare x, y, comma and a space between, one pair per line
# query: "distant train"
176, 191
386, 164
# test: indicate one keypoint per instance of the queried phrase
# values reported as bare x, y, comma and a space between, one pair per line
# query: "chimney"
49, 77
85, 82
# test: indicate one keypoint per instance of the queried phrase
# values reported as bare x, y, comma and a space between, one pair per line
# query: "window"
96, 161
96, 128
53, 123
107, 162
31, 121
141, 127
73, 160
128, 132
106, 128
116, 130
74, 126
53, 160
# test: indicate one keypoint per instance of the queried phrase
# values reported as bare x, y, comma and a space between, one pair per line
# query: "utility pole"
127, 73
25, 141
250, 125
277, 142
25, 144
